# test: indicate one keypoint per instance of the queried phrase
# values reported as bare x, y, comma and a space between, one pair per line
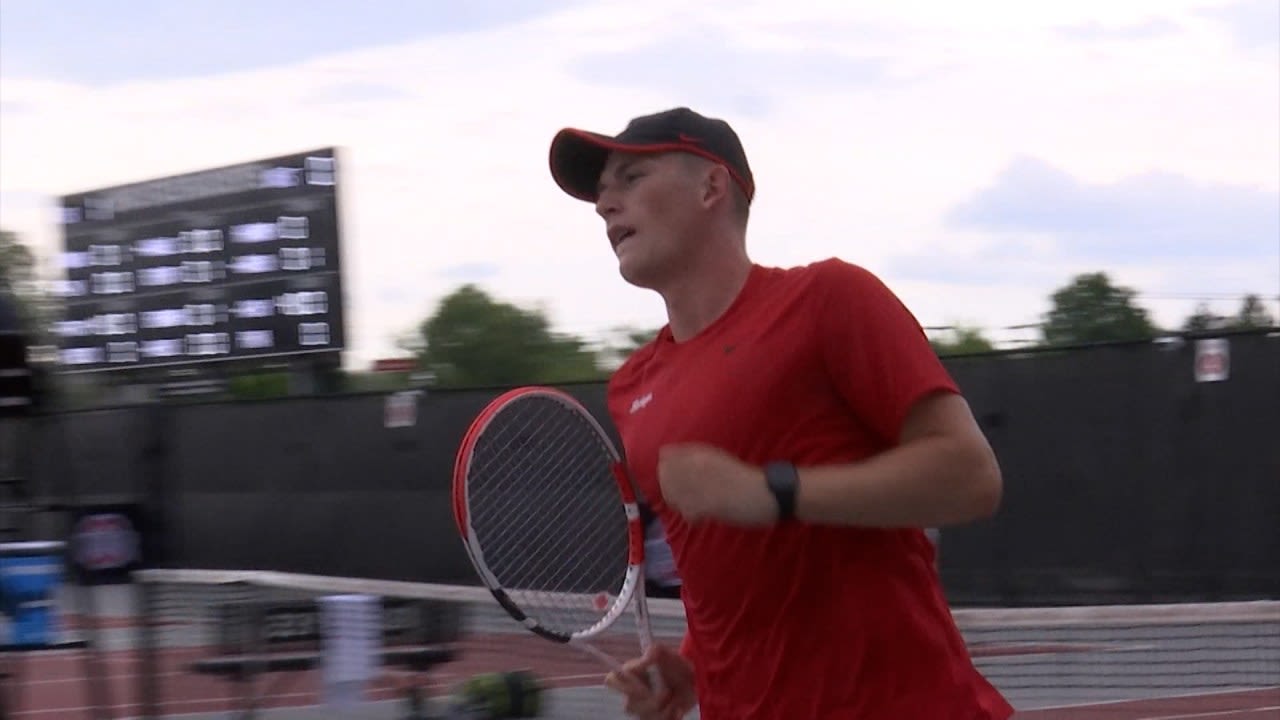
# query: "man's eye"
632, 177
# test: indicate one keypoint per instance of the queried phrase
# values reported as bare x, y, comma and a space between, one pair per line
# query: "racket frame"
632, 580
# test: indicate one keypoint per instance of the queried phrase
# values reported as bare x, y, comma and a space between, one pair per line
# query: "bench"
264, 637
419, 659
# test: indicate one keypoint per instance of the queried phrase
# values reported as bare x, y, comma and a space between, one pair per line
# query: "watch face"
781, 474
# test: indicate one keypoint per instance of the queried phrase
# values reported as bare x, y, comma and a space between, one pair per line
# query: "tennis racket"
549, 518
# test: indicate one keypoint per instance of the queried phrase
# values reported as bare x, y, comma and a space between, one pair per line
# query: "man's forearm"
929, 482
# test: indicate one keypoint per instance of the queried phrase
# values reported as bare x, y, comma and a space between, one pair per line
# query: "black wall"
1125, 479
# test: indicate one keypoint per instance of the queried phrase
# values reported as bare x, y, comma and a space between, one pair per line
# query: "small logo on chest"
639, 403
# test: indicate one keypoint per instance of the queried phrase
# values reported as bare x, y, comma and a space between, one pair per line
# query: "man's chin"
637, 276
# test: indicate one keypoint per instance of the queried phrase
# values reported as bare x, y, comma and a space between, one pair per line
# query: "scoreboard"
230, 263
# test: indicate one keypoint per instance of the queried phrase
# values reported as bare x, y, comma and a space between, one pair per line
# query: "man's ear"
716, 184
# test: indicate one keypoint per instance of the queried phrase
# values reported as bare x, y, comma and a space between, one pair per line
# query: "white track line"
1175, 696
1219, 713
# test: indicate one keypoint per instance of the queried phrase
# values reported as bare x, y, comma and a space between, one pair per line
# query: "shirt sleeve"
876, 352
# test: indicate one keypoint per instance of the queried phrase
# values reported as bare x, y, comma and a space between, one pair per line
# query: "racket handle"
655, 680
655, 675
641, 609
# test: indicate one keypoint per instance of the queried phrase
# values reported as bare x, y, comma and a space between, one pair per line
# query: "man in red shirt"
794, 431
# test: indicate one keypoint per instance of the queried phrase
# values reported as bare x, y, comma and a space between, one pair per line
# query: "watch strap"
782, 478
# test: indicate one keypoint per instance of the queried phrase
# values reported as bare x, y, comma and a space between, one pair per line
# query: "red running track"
55, 684
1239, 705
49, 685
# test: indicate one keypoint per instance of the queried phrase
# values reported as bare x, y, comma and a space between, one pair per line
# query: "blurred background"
261, 263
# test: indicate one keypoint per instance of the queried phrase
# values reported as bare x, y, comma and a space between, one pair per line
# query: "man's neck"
701, 296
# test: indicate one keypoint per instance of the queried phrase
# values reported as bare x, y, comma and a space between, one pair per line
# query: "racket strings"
553, 452
548, 555
505, 509
595, 535
548, 514
552, 592
500, 460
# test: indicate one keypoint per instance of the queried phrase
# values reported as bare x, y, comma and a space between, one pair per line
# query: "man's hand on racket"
677, 696
702, 481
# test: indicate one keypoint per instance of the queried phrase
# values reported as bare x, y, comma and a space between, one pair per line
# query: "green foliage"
259, 386
36, 311
1092, 310
473, 340
623, 341
1202, 319
361, 382
1252, 315
17, 280
17, 264
963, 340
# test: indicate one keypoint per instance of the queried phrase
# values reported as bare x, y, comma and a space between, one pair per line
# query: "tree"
17, 280
17, 264
410, 341
473, 340
622, 342
1252, 314
1091, 309
963, 340
1202, 319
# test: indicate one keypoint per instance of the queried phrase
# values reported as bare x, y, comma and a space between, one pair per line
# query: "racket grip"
654, 674
655, 680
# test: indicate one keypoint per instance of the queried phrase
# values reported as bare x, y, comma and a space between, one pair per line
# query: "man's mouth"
621, 235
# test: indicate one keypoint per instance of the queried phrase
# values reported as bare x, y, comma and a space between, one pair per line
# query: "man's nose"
606, 204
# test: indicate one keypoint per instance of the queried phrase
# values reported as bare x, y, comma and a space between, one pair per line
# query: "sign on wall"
1213, 360
107, 543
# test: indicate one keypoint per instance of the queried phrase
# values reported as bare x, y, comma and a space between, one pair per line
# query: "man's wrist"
783, 480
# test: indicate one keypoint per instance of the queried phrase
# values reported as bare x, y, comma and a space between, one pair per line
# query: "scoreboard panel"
225, 264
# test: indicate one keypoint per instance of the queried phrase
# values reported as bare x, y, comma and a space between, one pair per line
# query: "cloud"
99, 44
356, 91
1035, 226
15, 198
711, 66
982, 269
1152, 216
470, 272
1253, 24
13, 109
1096, 31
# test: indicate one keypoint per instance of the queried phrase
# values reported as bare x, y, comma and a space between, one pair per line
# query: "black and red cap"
578, 156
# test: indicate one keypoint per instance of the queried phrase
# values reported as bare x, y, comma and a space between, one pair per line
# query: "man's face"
650, 205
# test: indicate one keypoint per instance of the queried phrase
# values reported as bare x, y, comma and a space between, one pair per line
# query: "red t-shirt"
815, 364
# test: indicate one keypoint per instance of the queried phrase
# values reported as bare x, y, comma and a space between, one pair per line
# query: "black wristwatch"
782, 479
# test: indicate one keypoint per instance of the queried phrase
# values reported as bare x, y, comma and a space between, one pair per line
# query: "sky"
974, 155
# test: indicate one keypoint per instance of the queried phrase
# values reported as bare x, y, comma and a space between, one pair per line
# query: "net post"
149, 671
91, 656
255, 621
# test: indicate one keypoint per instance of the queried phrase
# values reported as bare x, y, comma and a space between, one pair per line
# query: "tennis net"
219, 642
